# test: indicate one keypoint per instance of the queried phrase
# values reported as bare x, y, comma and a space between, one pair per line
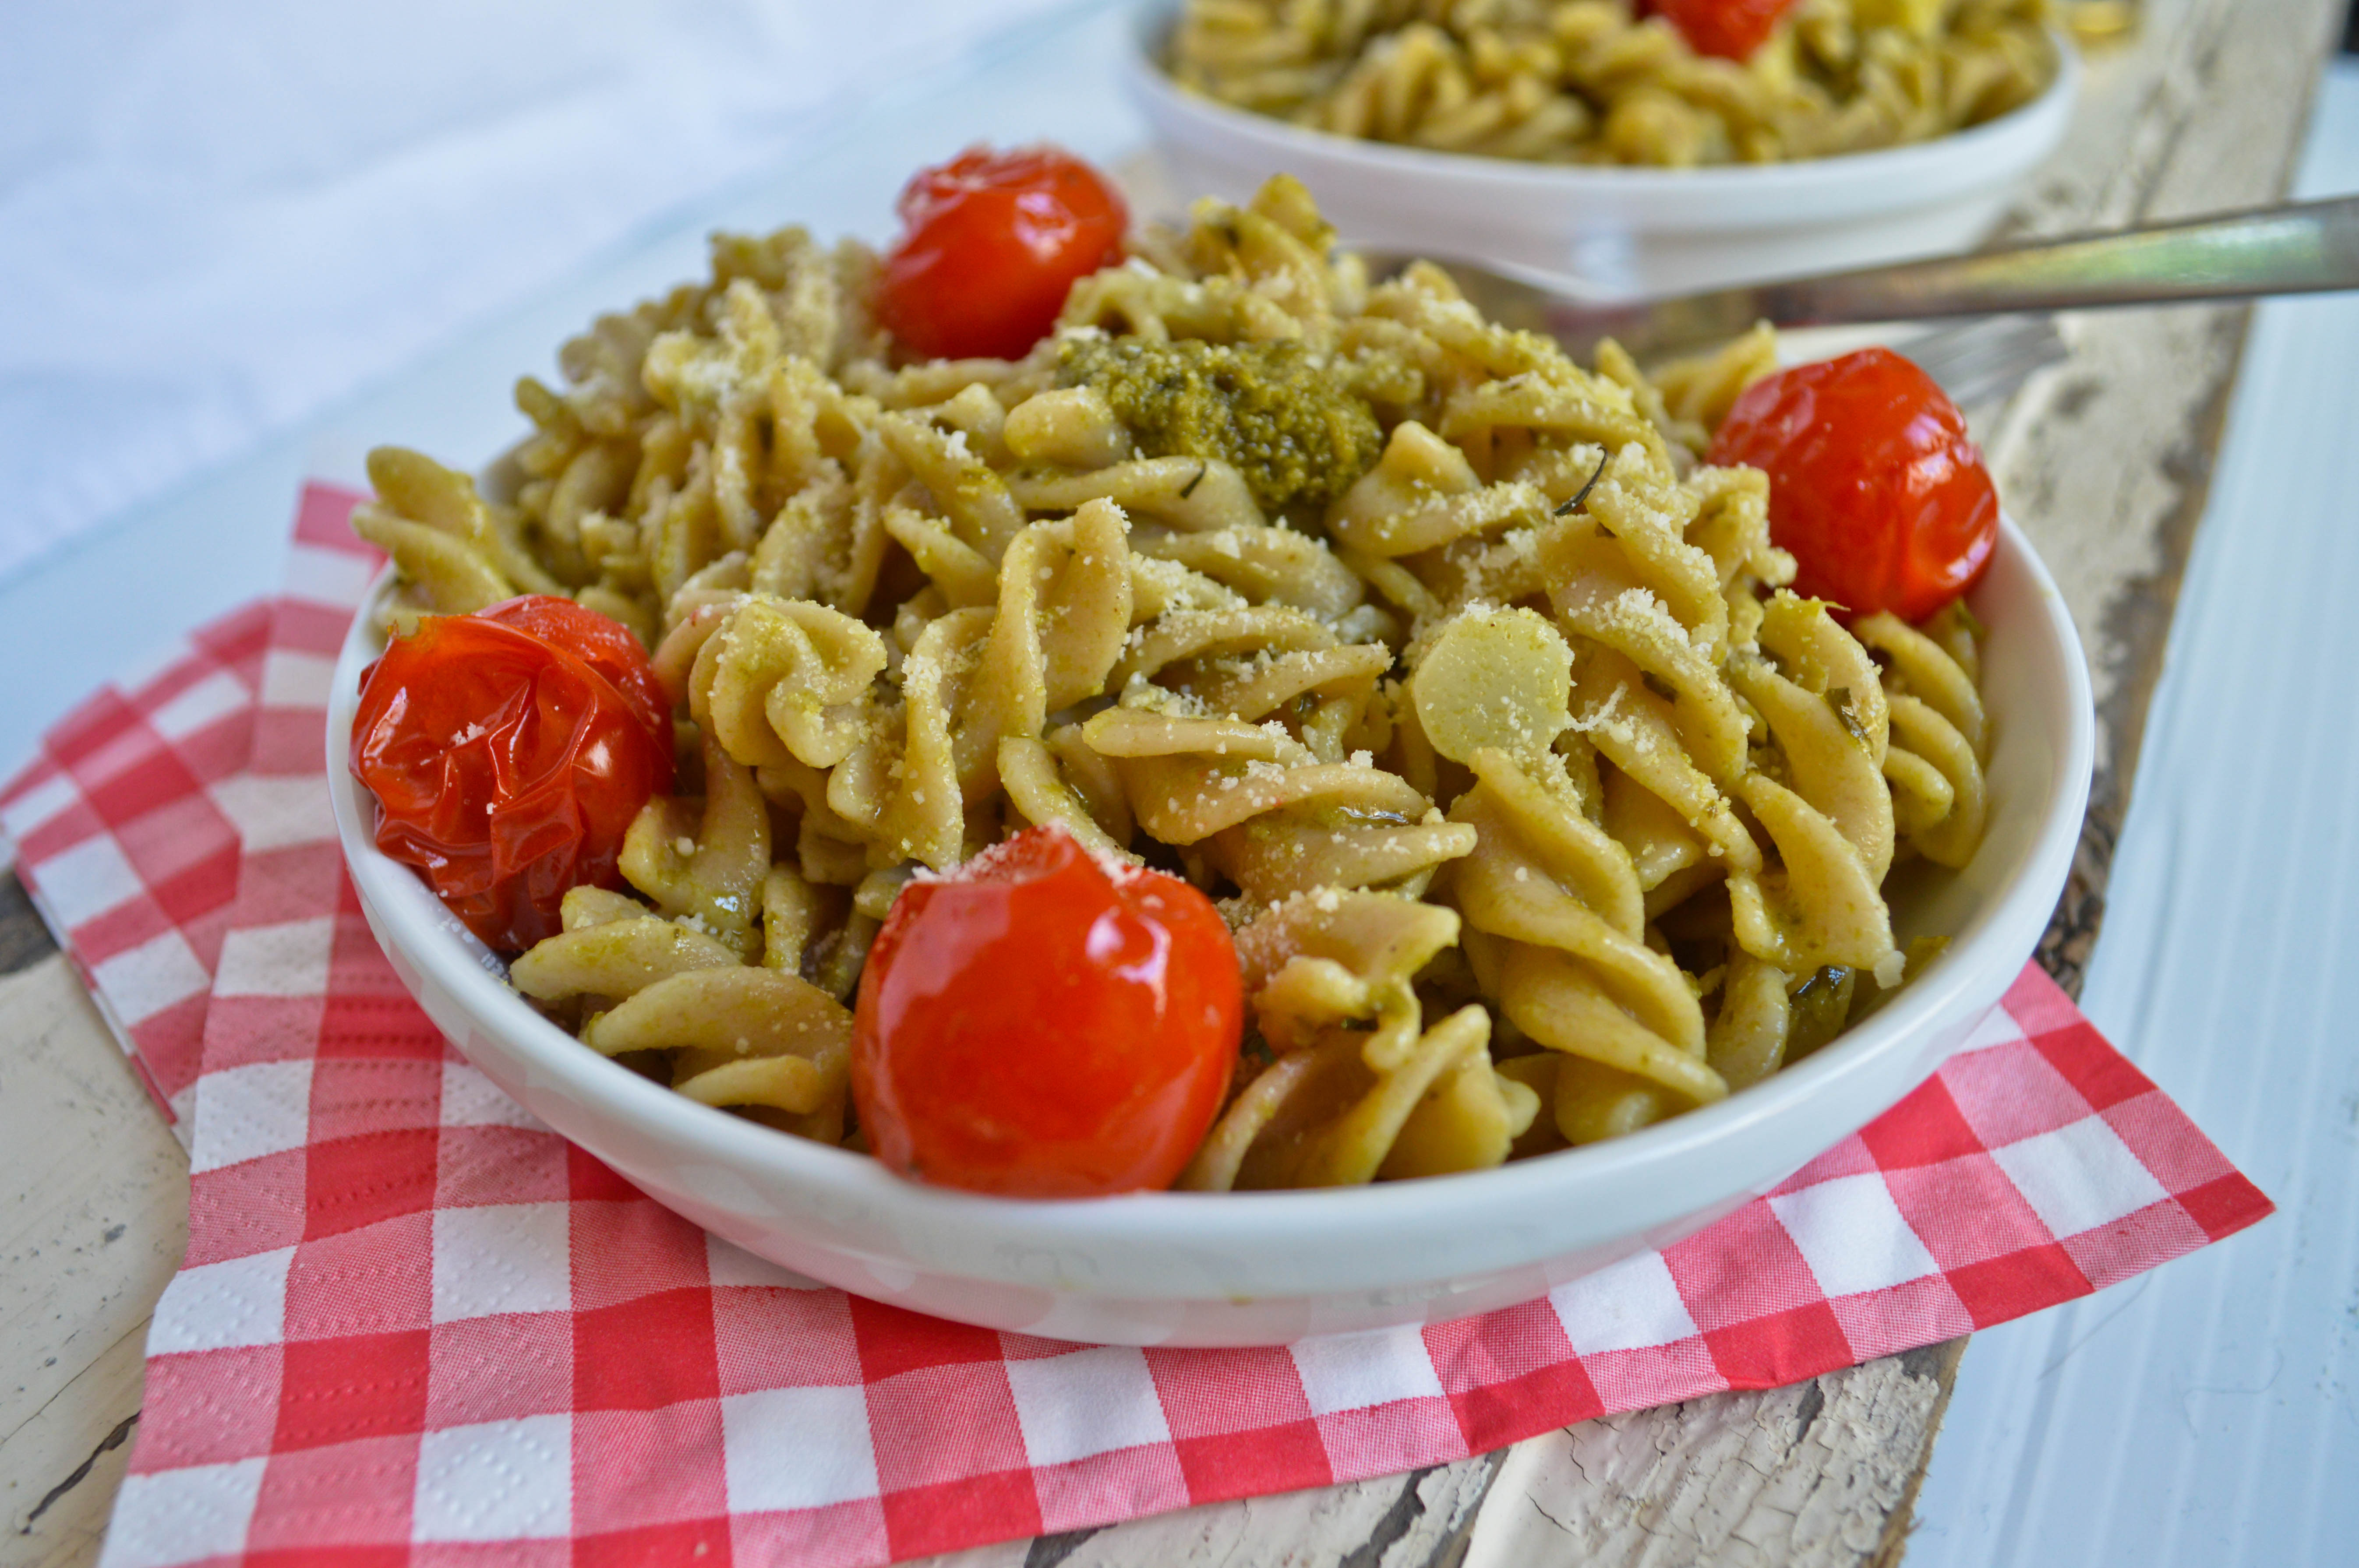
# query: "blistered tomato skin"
1041, 1025
1732, 29
1874, 484
991, 243
506, 769
606, 646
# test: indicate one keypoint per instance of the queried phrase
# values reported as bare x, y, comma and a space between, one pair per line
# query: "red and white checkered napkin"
415, 1326
127, 827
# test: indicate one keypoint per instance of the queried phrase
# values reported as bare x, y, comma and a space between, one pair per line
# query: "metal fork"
1983, 361
2296, 248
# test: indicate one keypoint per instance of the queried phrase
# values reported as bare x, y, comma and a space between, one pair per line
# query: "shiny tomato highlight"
603, 642
1039, 1024
1732, 29
1873, 483
991, 243
507, 765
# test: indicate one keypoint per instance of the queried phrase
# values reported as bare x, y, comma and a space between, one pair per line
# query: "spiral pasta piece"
462, 553
702, 862
1359, 1086
1753, 1025
1934, 765
888, 759
1559, 908
1272, 815
753, 1039
1824, 802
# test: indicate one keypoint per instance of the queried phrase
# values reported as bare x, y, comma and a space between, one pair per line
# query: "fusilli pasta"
1588, 81
1540, 808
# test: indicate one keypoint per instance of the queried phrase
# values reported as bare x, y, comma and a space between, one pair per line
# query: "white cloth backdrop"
215, 219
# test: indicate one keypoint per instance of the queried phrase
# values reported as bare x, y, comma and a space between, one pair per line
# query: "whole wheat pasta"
1542, 809
1589, 81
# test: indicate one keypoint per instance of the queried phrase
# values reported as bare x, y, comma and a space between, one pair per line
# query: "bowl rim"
1930, 171
475, 979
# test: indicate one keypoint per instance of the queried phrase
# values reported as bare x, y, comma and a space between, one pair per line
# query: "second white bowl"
1616, 230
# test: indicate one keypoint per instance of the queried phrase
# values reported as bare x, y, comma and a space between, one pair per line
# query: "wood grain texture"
2107, 459
1396, 1521
96, 1217
1810, 1473
61, 1467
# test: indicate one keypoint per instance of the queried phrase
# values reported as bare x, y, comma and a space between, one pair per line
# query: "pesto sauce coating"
1273, 411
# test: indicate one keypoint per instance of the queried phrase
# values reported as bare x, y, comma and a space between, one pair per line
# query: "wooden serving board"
2106, 462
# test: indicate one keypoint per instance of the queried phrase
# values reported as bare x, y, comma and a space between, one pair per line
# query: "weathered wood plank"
60, 1470
1803, 1475
1397, 1521
94, 1221
96, 1216
2108, 460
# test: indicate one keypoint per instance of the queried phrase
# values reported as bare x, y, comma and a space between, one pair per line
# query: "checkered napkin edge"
415, 1326
126, 827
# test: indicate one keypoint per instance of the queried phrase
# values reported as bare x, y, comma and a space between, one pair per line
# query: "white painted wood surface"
96, 1218
2212, 1414
2105, 460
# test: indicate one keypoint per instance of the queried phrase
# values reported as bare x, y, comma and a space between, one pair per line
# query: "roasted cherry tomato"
990, 244
1873, 483
1041, 1025
603, 643
507, 760
1732, 29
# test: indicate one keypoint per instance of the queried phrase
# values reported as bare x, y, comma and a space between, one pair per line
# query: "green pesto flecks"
1273, 411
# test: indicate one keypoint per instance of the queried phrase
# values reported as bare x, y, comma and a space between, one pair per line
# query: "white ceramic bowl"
1618, 231
1268, 1267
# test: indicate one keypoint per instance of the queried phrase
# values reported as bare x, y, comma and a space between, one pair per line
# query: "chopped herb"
1818, 1009
1583, 493
1190, 488
1659, 687
1838, 698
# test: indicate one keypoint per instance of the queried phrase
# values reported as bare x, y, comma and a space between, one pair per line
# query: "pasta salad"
1278, 729
1673, 83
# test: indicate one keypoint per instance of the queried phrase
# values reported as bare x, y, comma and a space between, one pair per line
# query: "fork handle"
2302, 248
2298, 248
